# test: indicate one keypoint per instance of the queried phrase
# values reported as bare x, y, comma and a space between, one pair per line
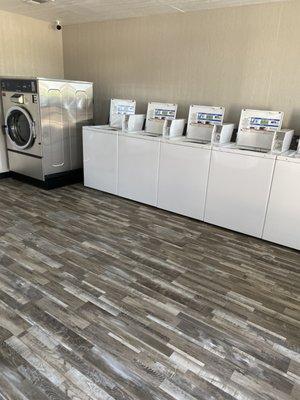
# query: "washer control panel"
19, 85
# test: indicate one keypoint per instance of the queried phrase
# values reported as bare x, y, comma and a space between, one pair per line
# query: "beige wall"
28, 47
237, 57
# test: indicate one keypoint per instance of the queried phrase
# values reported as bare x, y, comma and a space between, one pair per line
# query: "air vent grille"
38, 1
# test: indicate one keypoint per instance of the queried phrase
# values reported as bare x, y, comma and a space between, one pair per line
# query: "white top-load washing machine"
43, 124
184, 163
241, 174
138, 155
282, 224
101, 165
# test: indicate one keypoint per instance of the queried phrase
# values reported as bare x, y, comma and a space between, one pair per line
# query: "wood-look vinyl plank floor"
102, 298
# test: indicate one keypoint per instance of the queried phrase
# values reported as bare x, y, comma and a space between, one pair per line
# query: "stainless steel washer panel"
65, 107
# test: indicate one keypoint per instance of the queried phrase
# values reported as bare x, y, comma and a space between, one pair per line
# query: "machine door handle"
4, 127
33, 129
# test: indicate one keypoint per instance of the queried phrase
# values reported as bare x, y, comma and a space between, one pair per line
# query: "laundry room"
149, 199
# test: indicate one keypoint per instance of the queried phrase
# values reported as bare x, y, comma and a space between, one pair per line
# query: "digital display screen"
209, 117
125, 109
162, 113
265, 122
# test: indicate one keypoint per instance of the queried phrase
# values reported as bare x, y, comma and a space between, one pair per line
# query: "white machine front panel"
118, 108
261, 119
283, 216
100, 160
238, 191
183, 175
138, 169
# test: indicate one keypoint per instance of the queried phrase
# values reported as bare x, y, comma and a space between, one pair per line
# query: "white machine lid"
290, 156
233, 149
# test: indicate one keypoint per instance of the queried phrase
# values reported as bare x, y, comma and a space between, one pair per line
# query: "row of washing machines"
249, 185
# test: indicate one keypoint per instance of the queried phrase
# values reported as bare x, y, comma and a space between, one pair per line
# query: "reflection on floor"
103, 298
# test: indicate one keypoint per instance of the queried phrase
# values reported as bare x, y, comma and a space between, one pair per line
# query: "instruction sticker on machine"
265, 122
211, 115
124, 109
209, 118
161, 113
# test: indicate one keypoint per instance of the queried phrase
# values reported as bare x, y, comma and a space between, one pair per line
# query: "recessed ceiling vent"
38, 1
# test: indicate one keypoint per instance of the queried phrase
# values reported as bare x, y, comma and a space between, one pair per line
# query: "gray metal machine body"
43, 121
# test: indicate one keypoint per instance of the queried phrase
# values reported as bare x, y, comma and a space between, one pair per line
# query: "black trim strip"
4, 175
52, 181
25, 154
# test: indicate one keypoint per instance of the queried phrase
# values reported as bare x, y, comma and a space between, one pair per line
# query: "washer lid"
19, 127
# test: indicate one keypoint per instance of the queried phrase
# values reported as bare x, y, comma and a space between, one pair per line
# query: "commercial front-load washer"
241, 174
43, 120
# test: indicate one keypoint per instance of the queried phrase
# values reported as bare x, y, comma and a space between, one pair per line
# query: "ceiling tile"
77, 11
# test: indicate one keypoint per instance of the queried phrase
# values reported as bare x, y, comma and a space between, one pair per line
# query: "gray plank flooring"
103, 298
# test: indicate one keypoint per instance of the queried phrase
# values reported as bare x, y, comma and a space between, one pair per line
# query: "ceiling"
79, 11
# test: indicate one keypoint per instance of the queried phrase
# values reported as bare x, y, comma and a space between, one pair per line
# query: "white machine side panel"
183, 175
238, 191
138, 169
100, 153
283, 216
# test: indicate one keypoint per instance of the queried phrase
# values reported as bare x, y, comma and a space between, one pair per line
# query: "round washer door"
19, 127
